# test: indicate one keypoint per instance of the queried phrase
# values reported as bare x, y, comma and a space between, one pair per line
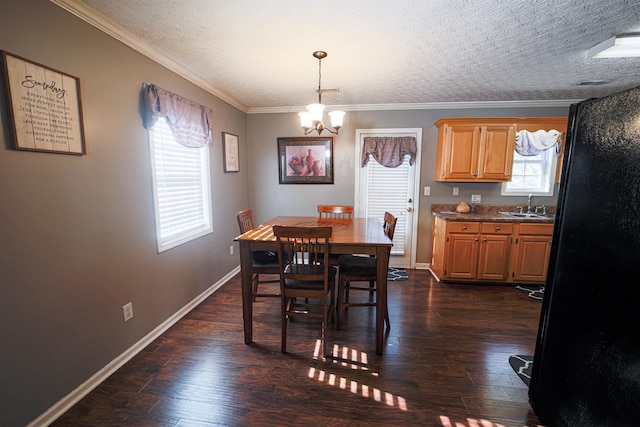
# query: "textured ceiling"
257, 53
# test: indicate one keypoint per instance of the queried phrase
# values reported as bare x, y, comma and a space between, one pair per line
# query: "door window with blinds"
387, 170
181, 187
387, 182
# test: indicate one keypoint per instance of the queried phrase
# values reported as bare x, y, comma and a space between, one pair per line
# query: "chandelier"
311, 119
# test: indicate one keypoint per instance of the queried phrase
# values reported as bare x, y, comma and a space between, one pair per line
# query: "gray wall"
77, 237
270, 199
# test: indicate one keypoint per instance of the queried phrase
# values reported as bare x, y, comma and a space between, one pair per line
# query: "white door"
396, 190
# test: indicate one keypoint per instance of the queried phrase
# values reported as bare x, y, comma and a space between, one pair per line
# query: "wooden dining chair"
335, 212
263, 262
307, 281
357, 268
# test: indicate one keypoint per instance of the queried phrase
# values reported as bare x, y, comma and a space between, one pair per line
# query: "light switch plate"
427, 191
476, 198
456, 190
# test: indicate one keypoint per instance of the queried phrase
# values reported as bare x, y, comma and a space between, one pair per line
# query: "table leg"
247, 292
382, 256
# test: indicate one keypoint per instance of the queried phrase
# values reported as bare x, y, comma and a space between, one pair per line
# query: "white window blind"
182, 189
387, 193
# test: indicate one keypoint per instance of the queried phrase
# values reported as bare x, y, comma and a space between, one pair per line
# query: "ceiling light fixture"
311, 119
621, 46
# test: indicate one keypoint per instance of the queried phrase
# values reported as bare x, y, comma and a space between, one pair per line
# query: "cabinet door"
496, 152
462, 256
532, 258
438, 247
493, 262
460, 152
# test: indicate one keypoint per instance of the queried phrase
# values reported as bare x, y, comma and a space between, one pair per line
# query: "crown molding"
425, 106
106, 25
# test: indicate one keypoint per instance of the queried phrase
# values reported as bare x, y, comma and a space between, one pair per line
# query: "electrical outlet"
231, 250
127, 311
427, 191
476, 198
456, 190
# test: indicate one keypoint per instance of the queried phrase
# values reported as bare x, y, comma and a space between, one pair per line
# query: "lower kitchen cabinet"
501, 252
495, 248
531, 256
462, 247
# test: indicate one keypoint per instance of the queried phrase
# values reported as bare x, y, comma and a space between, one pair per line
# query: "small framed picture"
230, 154
305, 160
45, 111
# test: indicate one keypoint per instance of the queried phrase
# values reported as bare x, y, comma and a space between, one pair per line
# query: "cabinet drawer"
529, 228
463, 227
496, 228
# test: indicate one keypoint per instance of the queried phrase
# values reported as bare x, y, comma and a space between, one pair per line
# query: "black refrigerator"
586, 367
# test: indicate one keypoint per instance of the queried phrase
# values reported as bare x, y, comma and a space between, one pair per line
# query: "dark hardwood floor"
445, 364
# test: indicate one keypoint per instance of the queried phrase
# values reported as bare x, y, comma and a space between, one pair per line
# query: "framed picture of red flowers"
305, 160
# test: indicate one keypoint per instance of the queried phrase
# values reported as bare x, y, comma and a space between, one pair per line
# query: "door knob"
409, 209
410, 200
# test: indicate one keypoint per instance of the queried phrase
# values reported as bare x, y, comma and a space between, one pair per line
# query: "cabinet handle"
484, 240
475, 174
464, 227
497, 228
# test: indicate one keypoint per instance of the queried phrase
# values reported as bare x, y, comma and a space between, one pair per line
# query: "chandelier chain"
319, 80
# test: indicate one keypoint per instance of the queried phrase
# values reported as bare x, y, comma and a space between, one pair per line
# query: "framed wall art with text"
44, 106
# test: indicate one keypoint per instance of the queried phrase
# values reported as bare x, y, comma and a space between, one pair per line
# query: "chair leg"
254, 279
386, 318
323, 332
340, 304
283, 347
331, 306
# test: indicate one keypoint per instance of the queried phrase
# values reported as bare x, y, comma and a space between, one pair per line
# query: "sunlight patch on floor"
471, 422
356, 360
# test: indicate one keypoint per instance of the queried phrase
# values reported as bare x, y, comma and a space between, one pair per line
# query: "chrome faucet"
529, 203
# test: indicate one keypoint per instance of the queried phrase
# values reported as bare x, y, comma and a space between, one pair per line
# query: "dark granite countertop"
488, 213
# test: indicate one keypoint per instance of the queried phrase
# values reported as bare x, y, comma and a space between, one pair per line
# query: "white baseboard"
422, 265
64, 404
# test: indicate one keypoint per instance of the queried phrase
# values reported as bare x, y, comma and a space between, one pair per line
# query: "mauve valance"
190, 122
389, 151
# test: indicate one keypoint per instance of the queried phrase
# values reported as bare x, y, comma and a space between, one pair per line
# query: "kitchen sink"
523, 215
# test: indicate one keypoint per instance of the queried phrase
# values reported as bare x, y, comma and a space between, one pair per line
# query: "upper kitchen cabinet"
474, 150
481, 149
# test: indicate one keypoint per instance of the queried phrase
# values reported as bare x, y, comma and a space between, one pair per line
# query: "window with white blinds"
390, 195
182, 188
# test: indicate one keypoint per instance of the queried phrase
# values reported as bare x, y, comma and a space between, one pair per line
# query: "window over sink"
532, 175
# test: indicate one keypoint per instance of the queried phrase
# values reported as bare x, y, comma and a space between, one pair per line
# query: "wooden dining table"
349, 236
